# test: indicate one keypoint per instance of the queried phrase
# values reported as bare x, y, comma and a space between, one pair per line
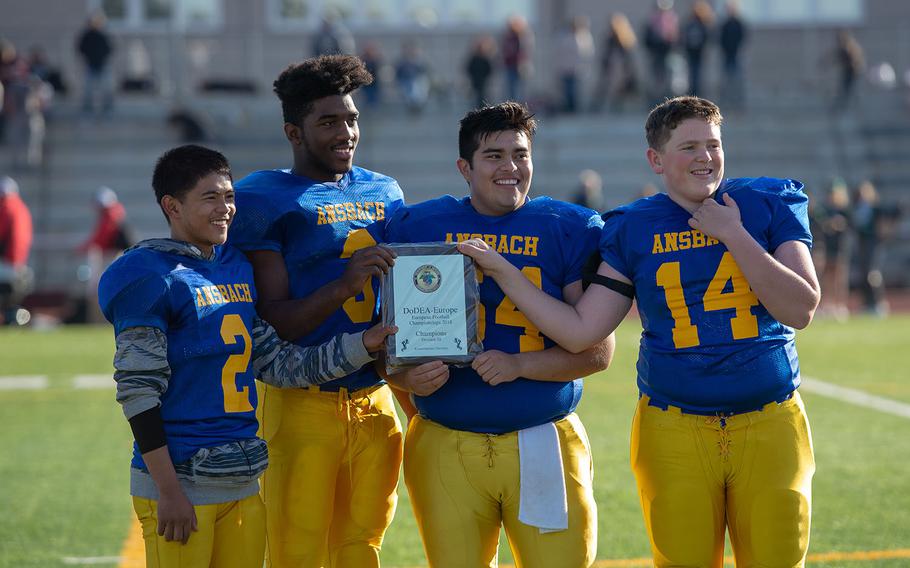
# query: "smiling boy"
721, 273
189, 348
499, 444
311, 233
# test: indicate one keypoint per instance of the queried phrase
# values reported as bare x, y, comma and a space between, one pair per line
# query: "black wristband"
148, 430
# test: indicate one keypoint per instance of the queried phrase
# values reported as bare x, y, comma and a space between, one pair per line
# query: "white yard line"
93, 382
23, 382
856, 397
91, 560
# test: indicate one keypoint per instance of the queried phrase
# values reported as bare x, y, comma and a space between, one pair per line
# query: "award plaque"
431, 294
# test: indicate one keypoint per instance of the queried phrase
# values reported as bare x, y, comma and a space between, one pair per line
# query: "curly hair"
302, 83
665, 117
480, 123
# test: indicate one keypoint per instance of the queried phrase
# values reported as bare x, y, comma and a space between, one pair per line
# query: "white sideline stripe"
23, 382
854, 396
93, 382
92, 559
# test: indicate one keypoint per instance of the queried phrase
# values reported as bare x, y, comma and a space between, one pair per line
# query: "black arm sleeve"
148, 430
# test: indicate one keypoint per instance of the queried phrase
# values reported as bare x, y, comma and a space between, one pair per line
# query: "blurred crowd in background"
631, 67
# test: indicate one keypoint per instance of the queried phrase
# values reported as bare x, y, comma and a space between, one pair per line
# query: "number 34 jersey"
550, 241
206, 309
317, 227
707, 343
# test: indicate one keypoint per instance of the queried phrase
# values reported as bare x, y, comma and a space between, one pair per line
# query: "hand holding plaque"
431, 295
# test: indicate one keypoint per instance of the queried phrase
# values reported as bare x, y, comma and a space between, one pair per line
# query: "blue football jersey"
206, 309
550, 241
316, 227
707, 343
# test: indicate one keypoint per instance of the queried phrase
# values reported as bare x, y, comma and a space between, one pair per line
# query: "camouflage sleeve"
141, 369
285, 364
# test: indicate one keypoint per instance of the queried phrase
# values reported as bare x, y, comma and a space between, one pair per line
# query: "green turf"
65, 452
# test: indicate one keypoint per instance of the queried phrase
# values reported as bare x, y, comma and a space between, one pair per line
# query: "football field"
65, 449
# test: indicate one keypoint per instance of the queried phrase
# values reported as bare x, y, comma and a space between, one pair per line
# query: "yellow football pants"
330, 489
464, 486
750, 473
230, 535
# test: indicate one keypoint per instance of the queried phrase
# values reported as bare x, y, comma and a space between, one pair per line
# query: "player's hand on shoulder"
486, 257
422, 380
374, 338
364, 264
176, 516
496, 367
716, 220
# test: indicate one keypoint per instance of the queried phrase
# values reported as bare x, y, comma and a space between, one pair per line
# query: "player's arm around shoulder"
784, 281
553, 365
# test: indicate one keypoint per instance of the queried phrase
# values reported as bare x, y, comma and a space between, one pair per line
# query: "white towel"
543, 483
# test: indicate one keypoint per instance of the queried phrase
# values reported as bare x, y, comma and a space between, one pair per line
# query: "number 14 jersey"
708, 344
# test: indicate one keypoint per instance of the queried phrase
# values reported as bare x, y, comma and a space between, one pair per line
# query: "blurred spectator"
375, 64
618, 46
138, 76
573, 57
95, 48
733, 34
15, 244
590, 191
850, 61
516, 47
647, 190
333, 37
26, 100
696, 34
111, 236
189, 126
874, 224
661, 36
8, 57
413, 77
479, 69
41, 68
836, 233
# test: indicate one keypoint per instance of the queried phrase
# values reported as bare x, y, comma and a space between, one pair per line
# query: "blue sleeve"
611, 248
790, 216
255, 224
583, 244
394, 227
135, 302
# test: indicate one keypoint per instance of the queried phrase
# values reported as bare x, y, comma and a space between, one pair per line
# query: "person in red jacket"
111, 234
15, 244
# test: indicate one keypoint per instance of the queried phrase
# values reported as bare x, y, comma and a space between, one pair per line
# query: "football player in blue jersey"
499, 444
311, 233
189, 346
721, 273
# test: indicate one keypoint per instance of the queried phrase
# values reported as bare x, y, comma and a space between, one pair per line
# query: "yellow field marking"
132, 555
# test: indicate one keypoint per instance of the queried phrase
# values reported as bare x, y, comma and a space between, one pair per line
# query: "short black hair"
302, 83
179, 170
480, 123
665, 117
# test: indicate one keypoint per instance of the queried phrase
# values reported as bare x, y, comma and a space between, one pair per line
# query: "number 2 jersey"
707, 343
549, 241
316, 227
